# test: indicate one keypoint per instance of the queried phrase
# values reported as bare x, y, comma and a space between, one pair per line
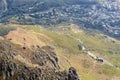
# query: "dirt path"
91, 54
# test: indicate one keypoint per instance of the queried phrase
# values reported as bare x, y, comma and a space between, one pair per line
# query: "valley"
93, 14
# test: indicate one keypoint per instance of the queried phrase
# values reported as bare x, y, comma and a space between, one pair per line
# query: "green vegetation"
86, 76
99, 44
110, 71
61, 41
4, 30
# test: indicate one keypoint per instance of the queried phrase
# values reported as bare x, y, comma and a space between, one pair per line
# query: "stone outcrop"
45, 58
72, 74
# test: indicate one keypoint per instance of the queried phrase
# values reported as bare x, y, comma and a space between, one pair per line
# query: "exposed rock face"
8, 69
72, 74
18, 69
45, 56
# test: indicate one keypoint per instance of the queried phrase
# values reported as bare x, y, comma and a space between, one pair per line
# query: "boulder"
72, 75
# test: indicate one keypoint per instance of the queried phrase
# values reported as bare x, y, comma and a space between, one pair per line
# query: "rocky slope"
38, 63
97, 14
27, 47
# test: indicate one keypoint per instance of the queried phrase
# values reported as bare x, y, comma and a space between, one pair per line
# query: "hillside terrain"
102, 15
33, 52
30, 61
59, 39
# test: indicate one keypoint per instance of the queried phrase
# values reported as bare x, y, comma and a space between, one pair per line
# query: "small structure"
100, 59
94, 56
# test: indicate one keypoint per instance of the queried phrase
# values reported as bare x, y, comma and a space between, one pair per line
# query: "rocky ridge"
38, 64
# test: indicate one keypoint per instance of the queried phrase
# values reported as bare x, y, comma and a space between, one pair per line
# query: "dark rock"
45, 56
72, 75
8, 68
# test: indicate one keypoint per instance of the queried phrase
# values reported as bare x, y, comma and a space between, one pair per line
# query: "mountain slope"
99, 44
65, 39
31, 63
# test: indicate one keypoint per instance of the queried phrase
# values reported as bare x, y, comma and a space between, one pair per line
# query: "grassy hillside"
101, 45
65, 38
